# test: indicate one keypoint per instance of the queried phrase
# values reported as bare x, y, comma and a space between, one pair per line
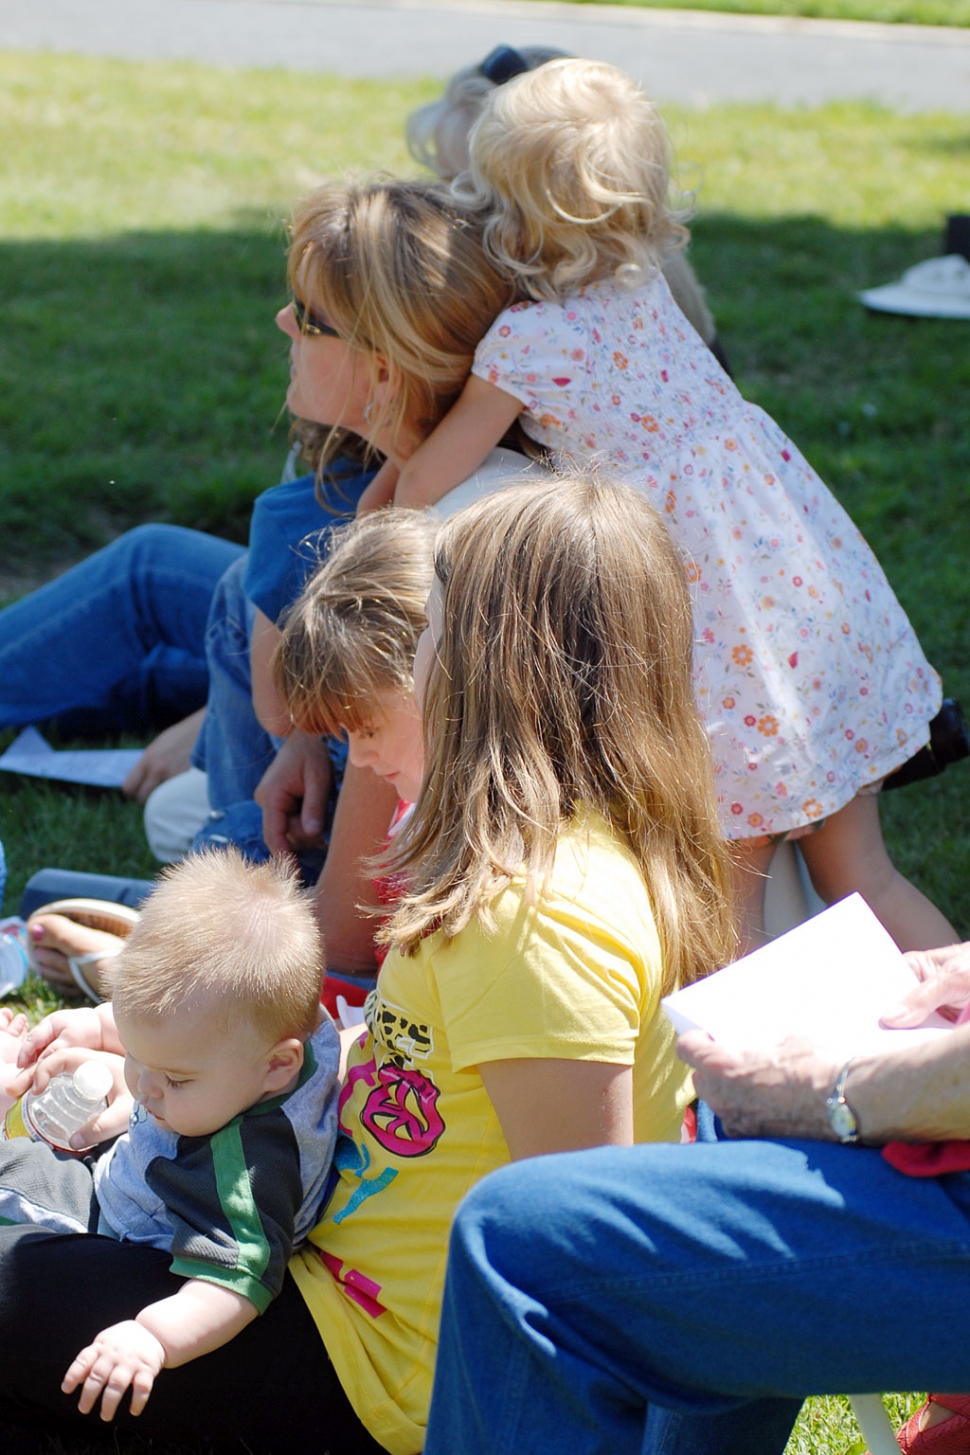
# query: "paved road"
684, 56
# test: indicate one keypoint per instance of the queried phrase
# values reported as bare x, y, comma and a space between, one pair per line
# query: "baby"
215, 999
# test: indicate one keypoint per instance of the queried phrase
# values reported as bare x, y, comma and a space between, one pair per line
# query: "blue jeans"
233, 747
686, 1299
116, 643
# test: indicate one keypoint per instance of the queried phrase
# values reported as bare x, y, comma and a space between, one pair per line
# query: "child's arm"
472, 427
199, 1318
269, 707
380, 491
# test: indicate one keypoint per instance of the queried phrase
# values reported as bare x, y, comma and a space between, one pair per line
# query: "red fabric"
352, 994
928, 1159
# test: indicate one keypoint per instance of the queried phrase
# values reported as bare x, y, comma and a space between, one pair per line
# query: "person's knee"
494, 1207
229, 627
148, 544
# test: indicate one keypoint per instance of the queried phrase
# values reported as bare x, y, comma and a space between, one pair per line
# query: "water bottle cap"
93, 1080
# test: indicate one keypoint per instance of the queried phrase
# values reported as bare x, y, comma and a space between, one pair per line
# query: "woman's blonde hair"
352, 634
570, 170
401, 272
563, 685
220, 934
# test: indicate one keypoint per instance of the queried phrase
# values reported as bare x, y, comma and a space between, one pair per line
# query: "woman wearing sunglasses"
390, 297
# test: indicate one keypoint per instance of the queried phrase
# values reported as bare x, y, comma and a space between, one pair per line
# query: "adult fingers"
943, 983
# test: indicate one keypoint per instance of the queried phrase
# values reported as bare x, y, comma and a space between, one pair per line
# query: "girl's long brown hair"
563, 686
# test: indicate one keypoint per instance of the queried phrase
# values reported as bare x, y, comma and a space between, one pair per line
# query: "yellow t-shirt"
577, 976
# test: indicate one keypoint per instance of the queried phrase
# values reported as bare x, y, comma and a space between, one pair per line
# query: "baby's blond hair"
220, 934
352, 633
570, 167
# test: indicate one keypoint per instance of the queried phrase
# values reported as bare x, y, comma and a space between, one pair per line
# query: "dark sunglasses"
309, 322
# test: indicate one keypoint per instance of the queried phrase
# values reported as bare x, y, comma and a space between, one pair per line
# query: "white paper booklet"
829, 980
32, 754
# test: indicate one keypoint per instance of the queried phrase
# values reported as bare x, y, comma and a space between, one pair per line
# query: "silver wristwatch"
840, 1114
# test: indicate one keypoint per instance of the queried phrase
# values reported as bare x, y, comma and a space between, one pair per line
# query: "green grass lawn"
141, 376
886, 12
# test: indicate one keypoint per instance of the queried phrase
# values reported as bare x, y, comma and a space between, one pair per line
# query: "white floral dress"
807, 672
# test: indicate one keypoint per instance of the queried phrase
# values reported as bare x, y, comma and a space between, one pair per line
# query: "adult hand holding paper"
787, 1018
829, 981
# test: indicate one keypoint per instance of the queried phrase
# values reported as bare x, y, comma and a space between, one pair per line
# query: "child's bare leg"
751, 862
847, 854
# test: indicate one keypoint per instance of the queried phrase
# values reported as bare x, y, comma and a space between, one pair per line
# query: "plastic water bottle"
57, 1113
13, 954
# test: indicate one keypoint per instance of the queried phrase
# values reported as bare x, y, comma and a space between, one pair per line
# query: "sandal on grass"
94, 914
949, 1437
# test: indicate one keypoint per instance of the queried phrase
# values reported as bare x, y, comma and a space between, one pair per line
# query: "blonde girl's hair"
437, 134
222, 935
400, 271
570, 168
563, 686
352, 634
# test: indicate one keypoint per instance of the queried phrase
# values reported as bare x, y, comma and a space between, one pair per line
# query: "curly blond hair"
570, 172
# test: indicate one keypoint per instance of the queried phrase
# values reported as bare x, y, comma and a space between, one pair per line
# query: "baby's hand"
80, 1027
126, 1354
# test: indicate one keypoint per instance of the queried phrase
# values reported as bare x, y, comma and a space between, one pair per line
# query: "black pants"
271, 1391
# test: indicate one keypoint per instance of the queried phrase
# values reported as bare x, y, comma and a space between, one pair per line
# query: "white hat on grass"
938, 288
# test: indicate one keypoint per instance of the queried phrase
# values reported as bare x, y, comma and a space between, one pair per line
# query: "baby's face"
189, 1072
391, 743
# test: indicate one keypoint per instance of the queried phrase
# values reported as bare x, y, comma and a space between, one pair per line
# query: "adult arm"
560, 1106
471, 428
198, 1318
166, 756
918, 1093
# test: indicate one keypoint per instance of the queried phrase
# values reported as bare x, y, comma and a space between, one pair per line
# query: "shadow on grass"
141, 377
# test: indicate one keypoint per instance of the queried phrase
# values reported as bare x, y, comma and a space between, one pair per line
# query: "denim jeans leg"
116, 643
233, 747
713, 1280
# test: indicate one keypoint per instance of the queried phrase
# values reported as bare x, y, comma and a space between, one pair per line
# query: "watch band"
840, 1114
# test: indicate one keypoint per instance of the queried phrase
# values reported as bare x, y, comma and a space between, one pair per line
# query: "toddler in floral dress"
808, 673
